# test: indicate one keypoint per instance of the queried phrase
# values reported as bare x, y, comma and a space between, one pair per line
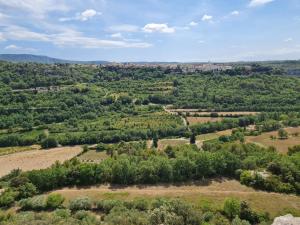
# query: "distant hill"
43, 59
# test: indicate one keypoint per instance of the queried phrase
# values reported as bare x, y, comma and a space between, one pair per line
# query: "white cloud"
207, 17
255, 3
18, 48
83, 16
193, 23
21, 33
69, 38
288, 40
201, 41
87, 14
36, 8
158, 27
235, 13
75, 39
124, 28
116, 35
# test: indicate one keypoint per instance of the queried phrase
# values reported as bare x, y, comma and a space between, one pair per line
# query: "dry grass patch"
93, 156
281, 145
36, 159
197, 120
163, 143
11, 150
211, 136
214, 192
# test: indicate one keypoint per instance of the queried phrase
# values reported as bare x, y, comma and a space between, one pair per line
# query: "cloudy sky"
152, 30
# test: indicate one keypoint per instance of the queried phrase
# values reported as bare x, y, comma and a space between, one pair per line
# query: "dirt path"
36, 159
184, 120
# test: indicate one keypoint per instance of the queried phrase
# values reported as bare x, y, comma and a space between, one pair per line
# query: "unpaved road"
36, 159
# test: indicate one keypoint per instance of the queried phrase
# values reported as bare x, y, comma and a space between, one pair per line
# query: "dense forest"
80, 104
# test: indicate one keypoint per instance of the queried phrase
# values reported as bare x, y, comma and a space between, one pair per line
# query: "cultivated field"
281, 145
36, 159
197, 120
163, 143
206, 137
93, 156
213, 192
200, 112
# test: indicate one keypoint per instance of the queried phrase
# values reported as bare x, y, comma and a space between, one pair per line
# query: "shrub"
107, 205
81, 203
141, 204
49, 142
35, 203
62, 213
7, 198
54, 201
294, 150
231, 207
282, 133
238, 221
101, 147
27, 190
247, 214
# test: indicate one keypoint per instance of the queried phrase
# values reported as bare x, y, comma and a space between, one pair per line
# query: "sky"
152, 30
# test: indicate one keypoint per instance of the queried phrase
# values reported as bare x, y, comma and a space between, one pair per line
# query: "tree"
49, 142
155, 141
193, 139
282, 133
232, 208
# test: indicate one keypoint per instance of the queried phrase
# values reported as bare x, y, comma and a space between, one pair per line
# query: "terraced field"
36, 159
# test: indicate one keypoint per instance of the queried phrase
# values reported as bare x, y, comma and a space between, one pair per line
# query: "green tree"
49, 142
193, 139
282, 133
232, 208
54, 201
155, 141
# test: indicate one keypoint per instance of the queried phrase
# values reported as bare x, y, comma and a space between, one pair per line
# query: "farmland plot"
281, 145
36, 159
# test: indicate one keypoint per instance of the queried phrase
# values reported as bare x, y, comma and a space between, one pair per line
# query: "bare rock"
286, 220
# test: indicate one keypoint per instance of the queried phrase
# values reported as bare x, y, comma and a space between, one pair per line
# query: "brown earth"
281, 145
36, 159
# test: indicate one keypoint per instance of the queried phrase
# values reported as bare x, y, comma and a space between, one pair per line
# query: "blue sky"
152, 30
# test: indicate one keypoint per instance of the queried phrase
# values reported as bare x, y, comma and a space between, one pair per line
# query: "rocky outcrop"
287, 220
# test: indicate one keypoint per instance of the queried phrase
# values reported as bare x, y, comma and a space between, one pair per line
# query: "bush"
107, 205
81, 203
27, 190
282, 133
54, 201
141, 204
49, 142
36, 203
7, 198
231, 208
238, 221
294, 150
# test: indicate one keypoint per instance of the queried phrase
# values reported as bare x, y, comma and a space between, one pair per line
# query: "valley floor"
211, 193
